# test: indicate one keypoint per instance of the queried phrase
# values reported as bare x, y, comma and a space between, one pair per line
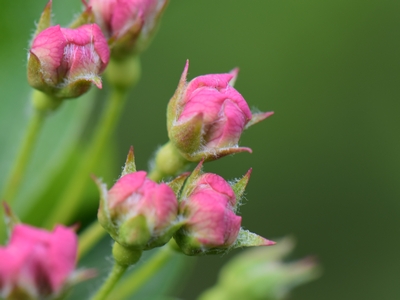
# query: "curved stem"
112, 279
76, 186
90, 237
139, 277
24, 154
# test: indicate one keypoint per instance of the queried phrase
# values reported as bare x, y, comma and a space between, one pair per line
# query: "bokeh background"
326, 166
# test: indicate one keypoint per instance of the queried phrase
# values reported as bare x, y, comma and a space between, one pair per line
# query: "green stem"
90, 237
139, 277
112, 279
21, 162
74, 190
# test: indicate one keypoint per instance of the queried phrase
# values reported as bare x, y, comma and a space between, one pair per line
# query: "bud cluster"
199, 211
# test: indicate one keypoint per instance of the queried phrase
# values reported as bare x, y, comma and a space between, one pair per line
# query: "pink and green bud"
130, 24
37, 264
65, 62
210, 225
261, 273
207, 116
137, 212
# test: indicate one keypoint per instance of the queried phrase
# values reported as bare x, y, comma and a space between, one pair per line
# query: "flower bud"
129, 24
137, 212
207, 116
261, 274
65, 62
210, 224
37, 264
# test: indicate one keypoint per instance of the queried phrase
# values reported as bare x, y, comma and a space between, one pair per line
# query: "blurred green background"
326, 166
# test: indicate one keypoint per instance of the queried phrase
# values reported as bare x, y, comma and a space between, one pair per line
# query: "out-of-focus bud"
130, 24
37, 264
207, 116
65, 62
261, 274
137, 212
210, 224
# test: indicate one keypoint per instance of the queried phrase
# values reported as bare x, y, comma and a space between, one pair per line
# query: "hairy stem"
138, 278
111, 281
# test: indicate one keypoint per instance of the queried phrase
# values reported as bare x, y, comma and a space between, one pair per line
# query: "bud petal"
207, 116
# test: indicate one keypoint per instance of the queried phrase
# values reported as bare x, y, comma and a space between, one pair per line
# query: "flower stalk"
42, 103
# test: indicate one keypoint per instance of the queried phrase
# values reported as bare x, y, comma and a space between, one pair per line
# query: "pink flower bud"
130, 23
37, 264
210, 219
207, 116
208, 208
138, 212
65, 62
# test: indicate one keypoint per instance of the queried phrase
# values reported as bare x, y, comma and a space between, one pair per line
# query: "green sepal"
177, 183
77, 87
191, 247
10, 219
45, 19
164, 237
213, 154
134, 233
130, 166
250, 239
239, 188
190, 182
187, 136
86, 17
103, 215
258, 117
35, 76
175, 104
